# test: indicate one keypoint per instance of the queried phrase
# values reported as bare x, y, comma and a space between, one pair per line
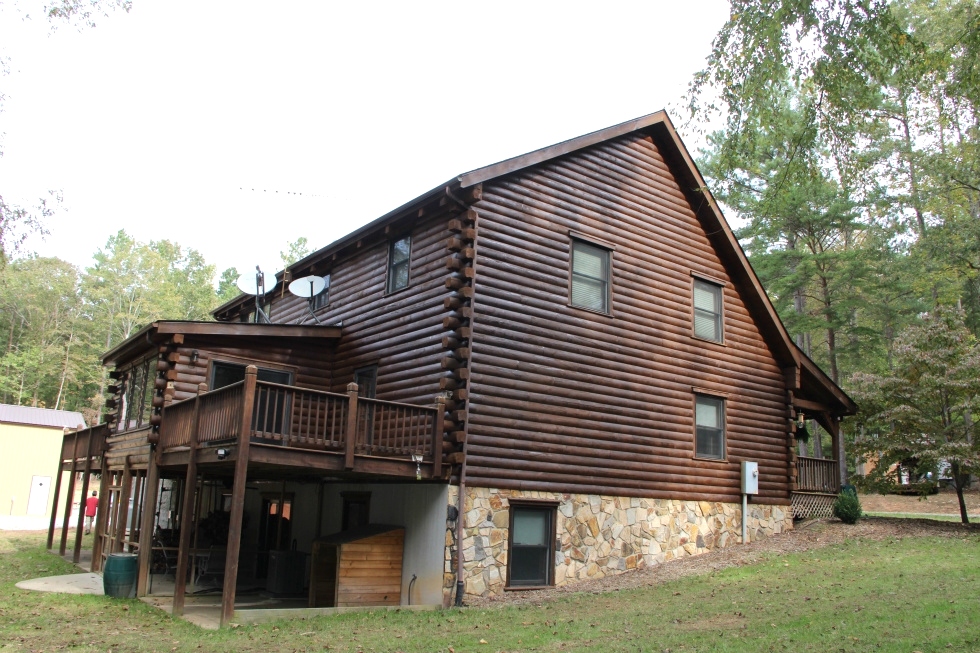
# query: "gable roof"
30, 416
659, 127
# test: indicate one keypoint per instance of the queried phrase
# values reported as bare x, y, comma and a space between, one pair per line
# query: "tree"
922, 413
228, 285
295, 251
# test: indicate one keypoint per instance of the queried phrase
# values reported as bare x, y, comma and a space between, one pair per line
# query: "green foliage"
295, 251
228, 285
847, 507
919, 417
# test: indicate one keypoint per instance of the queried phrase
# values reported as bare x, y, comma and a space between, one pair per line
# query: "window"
323, 298
366, 379
398, 259
138, 397
707, 310
590, 276
709, 417
356, 510
532, 537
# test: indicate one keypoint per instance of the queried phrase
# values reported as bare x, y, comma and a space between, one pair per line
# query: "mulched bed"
806, 536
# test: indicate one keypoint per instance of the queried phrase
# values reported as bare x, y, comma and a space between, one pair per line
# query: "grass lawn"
896, 595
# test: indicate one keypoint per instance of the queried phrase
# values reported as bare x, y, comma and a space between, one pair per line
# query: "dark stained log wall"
566, 399
400, 332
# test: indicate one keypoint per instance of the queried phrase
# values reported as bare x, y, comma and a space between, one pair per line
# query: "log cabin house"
544, 370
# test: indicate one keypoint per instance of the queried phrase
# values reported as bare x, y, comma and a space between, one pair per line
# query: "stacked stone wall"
600, 535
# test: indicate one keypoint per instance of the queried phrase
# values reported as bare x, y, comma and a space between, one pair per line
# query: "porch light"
222, 454
417, 459
801, 433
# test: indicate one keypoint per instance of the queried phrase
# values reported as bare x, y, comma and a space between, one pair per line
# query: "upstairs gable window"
707, 311
590, 276
399, 257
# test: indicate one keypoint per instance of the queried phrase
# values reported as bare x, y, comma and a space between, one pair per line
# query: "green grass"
900, 595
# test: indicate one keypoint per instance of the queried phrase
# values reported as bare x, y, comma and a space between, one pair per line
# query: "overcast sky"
237, 127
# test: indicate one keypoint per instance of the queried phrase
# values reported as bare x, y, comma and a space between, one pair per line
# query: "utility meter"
750, 477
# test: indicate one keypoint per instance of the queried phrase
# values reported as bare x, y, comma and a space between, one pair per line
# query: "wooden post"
54, 503
134, 530
437, 437
80, 529
122, 508
148, 524
186, 515
100, 516
351, 426
238, 499
71, 495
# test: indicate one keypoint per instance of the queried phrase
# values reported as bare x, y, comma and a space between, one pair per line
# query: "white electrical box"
750, 477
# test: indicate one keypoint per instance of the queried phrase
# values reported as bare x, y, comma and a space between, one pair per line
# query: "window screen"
399, 257
590, 276
532, 539
710, 426
707, 310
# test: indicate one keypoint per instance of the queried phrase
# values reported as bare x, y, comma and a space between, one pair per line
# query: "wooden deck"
817, 486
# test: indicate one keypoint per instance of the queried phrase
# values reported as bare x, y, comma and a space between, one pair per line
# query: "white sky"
236, 127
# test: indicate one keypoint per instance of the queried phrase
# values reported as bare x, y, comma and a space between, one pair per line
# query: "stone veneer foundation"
601, 535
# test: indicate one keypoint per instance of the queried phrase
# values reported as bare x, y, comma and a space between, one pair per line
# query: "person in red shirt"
91, 505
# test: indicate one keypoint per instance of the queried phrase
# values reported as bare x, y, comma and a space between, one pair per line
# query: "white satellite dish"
258, 282
307, 287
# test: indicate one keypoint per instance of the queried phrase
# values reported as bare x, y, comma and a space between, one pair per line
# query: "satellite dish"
307, 287
258, 282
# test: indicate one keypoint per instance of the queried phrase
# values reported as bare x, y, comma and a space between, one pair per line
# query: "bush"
847, 508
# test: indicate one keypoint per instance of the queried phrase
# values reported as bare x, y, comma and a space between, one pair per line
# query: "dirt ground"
807, 535
943, 503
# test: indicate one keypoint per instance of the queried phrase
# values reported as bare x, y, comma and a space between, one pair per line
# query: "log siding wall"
571, 400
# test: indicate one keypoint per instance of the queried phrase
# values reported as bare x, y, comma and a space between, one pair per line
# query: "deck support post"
54, 503
71, 496
238, 499
351, 426
148, 523
87, 474
186, 514
122, 508
98, 543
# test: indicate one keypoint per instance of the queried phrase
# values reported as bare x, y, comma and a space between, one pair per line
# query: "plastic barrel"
119, 574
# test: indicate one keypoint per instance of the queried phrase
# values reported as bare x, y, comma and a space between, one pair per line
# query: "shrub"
847, 508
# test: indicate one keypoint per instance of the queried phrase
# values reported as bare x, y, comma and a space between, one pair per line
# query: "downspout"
461, 496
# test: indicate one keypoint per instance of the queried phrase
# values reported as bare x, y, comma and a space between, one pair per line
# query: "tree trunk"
959, 482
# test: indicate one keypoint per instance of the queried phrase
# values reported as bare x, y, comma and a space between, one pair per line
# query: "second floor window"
399, 256
707, 311
323, 298
590, 276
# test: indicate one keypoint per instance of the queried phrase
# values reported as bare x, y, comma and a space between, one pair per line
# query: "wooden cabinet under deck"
360, 567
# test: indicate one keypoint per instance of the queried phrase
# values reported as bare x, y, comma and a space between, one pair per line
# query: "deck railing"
817, 475
389, 428
306, 419
75, 445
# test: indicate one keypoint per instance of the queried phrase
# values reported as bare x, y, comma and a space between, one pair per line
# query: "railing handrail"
817, 460
224, 388
295, 388
382, 402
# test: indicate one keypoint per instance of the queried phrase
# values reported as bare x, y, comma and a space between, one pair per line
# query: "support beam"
101, 512
351, 435
186, 515
122, 509
86, 476
54, 503
71, 495
238, 500
150, 495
